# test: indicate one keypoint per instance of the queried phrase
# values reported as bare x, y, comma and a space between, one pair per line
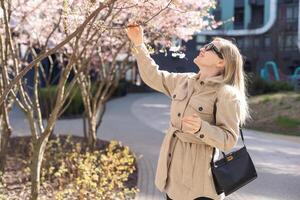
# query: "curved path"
139, 121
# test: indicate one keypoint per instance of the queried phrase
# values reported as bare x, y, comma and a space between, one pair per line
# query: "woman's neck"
204, 75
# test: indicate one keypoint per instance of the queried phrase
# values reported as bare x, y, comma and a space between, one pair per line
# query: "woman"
183, 170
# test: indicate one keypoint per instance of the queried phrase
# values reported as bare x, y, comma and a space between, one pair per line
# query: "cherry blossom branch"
43, 54
122, 26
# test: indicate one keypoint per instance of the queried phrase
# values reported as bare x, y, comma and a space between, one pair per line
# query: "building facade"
263, 30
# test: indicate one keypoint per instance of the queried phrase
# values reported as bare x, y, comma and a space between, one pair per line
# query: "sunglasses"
212, 47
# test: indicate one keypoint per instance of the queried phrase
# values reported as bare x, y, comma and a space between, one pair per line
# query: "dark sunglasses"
212, 47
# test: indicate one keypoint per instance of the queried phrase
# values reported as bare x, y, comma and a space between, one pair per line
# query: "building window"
296, 12
289, 13
292, 13
295, 41
257, 42
247, 43
280, 42
267, 41
238, 18
287, 42
257, 16
282, 11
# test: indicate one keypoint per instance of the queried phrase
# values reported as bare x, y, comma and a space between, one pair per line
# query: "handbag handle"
241, 132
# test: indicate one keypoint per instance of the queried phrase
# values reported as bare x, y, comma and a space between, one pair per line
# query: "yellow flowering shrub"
3, 196
77, 173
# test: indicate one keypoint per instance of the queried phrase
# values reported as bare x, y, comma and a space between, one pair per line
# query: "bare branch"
42, 55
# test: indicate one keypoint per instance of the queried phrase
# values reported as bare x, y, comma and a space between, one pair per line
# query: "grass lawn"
277, 113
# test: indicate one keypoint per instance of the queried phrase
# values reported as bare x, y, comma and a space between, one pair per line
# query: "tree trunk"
92, 134
39, 147
84, 127
5, 135
100, 114
5, 131
93, 125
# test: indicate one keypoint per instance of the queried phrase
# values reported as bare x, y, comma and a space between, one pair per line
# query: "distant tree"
39, 25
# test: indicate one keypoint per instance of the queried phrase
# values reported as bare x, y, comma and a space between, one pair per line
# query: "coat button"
200, 108
201, 82
174, 96
174, 135
178, 114
169, 154
201, 136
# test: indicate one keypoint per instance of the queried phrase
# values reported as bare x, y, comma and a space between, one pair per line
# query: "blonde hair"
234, 74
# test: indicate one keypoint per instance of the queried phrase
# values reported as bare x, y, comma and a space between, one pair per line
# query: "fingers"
193, 118
190, 128
191, 122
189, 119
132, 24
134, 32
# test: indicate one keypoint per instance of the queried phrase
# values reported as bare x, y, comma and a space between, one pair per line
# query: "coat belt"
189, 154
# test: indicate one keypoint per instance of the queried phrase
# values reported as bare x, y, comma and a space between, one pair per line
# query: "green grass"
297, 98
266, 99
287, 122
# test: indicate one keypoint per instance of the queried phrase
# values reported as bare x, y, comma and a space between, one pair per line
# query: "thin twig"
122, 26
51, 51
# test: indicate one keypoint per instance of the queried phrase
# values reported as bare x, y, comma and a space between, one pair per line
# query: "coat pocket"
179, 94
201, 107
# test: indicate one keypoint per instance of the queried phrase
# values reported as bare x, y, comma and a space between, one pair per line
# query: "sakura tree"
106, 42
49, 35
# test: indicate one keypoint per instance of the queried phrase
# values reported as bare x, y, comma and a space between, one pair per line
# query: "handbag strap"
241, 132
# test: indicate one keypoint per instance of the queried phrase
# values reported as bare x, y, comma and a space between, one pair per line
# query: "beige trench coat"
183, 169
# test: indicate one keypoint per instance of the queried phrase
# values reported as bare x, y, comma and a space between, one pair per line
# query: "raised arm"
159, 80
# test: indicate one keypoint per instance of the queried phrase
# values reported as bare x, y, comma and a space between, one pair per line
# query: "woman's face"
208, 57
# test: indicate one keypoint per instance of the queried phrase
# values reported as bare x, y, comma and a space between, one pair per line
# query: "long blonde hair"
234, 74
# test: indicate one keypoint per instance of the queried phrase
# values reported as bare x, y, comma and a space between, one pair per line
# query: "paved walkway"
139, 121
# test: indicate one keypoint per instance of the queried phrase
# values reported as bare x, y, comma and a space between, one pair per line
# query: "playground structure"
277, 75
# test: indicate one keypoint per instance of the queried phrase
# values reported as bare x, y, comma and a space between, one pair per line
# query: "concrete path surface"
140, 120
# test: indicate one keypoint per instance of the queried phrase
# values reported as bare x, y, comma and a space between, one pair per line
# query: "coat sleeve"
159, 80
224, 135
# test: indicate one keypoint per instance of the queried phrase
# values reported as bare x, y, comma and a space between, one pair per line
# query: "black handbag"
234, 170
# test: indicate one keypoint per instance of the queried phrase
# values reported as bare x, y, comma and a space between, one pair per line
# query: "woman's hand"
191, 124
135, 33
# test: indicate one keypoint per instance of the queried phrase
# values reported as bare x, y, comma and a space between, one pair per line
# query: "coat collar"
218, 79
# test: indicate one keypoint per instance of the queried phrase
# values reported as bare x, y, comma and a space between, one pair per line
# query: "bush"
48, 96
258, 86
2, 187
76, 107
74, 172
285, 121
